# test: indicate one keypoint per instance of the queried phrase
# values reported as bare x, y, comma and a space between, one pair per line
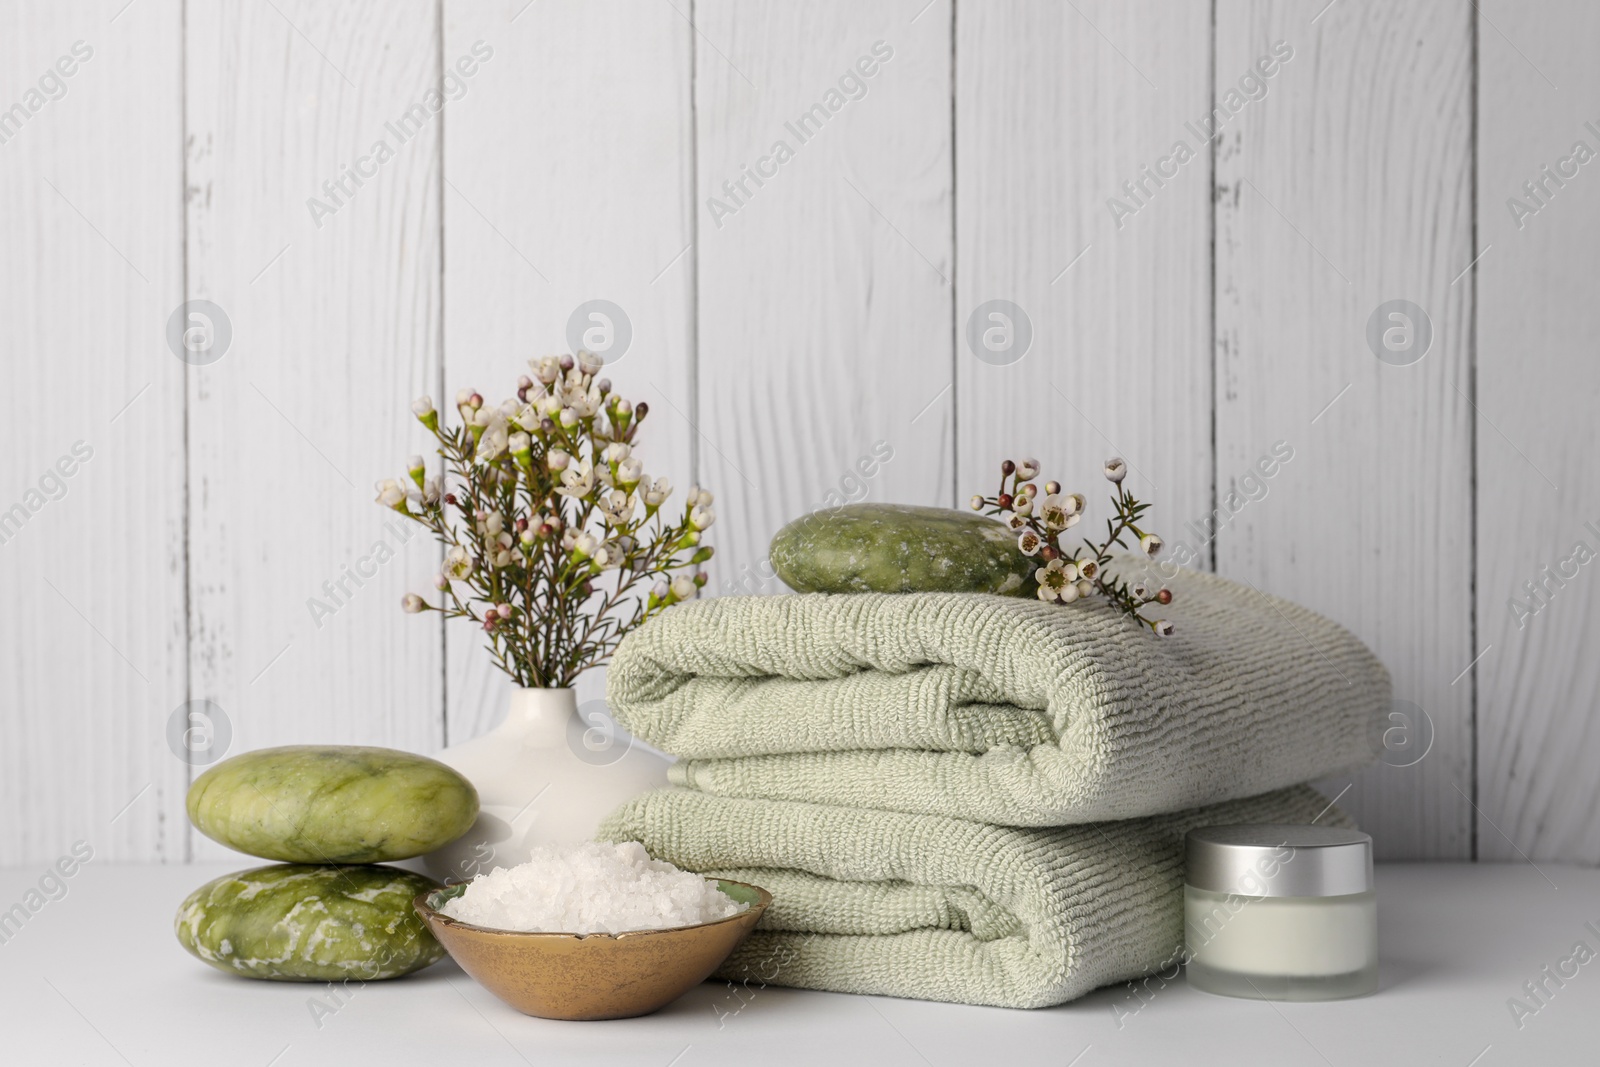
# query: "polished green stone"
332, 804
897, 548
303, 923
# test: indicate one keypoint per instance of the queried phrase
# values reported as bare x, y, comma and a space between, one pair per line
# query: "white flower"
701, 517
617, 507
546, 369
656, 495
585, 545
422, 407
411, 603
1054, 511
433, 490
1022, 505
1029, 542
659, 591
699, 497
683, 587
1116, 469
457, 564
1151, 544
464, 397
568, 417
520, 444
415, 465
1163, 628
1052, 577
1028, 468
629, 471
1016, 521
557, 459
493, 443
391, 495
1088, 568
493, 523
616, 452
1085, 587
577, 482
976, 502
589, 363
1078, 503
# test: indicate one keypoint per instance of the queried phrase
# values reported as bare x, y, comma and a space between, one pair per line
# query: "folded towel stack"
977, 798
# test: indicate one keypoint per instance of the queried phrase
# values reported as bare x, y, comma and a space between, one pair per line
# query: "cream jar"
1280, 912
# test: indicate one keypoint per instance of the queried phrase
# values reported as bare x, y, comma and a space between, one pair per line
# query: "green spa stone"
296, 922
332, 804
897, 548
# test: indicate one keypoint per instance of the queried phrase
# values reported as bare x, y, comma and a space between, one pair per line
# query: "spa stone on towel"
896, 548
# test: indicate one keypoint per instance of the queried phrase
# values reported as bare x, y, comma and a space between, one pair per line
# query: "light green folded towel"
999, 709
945, 909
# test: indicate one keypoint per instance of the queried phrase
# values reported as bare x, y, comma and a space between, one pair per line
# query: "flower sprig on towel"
1075, 573
549, 524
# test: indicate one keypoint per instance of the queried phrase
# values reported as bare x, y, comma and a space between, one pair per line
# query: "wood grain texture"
567, 174
1057, 106
1347, 185
825, 305
1538, 386
335, 330
92, 643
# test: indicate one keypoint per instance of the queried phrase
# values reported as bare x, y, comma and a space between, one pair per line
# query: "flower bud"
976, 502
1164, 596
411, 603
1008, 468
1116, 469
1085, 587
1163, 628
1150, 544
557, 460
1052, 488
441, 582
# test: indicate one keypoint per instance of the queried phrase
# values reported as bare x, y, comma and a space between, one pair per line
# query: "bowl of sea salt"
591, 930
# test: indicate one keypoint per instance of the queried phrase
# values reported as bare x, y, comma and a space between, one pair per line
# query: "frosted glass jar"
1280, 912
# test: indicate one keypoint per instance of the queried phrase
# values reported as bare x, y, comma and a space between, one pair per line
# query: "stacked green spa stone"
897, 548
331, 910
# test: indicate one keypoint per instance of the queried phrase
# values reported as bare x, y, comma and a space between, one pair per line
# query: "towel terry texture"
939, 908
999, 709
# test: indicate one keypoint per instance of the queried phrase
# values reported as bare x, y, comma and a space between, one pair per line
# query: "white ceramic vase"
544, 775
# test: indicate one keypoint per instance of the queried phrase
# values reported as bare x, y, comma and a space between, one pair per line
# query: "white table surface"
97, 977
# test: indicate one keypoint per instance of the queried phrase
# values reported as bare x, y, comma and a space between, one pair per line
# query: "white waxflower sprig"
556, 542
1069, 576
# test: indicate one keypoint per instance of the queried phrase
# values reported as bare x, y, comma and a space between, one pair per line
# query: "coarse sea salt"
590, 888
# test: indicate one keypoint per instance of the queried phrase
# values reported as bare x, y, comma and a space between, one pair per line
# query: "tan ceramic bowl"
592, 976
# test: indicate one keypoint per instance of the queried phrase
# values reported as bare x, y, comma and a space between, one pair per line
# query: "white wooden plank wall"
1537, 436
799, 210
1349, 184
335, 329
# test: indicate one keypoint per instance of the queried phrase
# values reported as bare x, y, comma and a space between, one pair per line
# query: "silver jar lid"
1268, 860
